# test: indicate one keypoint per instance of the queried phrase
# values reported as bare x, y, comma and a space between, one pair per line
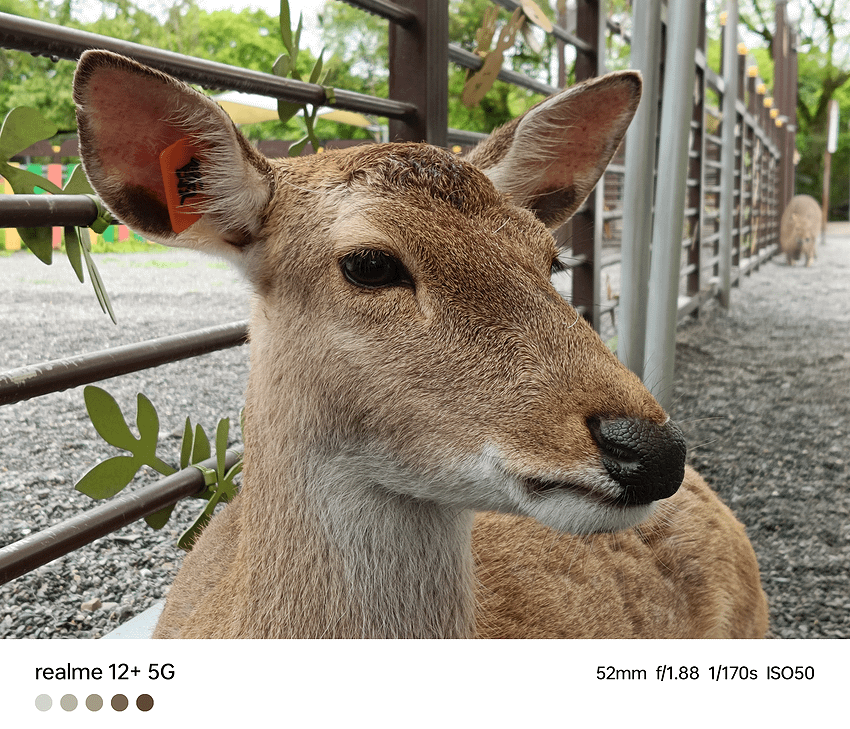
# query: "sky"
89, 10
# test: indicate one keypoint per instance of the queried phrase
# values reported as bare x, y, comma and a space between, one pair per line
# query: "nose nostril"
645, 458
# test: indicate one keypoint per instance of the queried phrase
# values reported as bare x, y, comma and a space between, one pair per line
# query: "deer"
436, 443
800, 228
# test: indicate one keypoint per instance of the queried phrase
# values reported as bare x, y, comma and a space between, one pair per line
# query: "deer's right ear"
165, 159
549, 159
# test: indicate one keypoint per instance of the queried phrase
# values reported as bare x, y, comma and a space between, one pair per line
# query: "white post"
727, 154
638, 187
665, 267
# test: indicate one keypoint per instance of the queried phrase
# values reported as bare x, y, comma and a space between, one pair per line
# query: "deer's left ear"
165, 159
549, 159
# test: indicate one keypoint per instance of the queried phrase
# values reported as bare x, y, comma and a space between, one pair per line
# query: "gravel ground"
762, 392
48, 443
763, 395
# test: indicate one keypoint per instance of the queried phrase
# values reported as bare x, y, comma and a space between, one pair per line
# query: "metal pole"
638, 187
37, 37
586, 224
39, 379
727, 155
42, 547
664, 274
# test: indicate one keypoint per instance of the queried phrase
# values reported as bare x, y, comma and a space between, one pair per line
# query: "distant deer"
429, 428
800, 228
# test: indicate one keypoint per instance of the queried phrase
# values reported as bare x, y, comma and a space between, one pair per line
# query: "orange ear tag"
181, 174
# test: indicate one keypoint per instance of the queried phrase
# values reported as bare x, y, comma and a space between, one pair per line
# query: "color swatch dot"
119, 702
43, 702
144, 702
68, 702
94, 703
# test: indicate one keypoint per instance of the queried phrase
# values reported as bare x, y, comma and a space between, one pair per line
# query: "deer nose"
646, 459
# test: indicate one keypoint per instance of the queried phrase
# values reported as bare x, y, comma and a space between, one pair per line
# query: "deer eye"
372, 269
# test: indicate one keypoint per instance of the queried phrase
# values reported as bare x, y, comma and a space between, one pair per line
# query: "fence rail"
30, 211
42, 547
40, 379
56, 41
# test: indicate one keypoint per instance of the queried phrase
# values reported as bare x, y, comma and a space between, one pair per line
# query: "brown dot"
94, 703
120, 702
144, 702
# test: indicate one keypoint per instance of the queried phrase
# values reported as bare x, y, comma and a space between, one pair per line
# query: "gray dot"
68, 702
43, 702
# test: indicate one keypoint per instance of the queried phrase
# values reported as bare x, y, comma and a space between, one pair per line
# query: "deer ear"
210, 187
549, 159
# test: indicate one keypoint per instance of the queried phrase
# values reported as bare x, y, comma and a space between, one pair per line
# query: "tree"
823, 71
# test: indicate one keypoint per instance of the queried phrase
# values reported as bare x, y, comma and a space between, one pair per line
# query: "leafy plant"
285, 66
22, 128
108, 478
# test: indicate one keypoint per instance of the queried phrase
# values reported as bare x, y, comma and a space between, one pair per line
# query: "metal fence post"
727, 156
586, 224
662, 309
638, 188
419, 61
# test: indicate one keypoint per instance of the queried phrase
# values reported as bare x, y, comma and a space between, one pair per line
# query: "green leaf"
187, 539
39, 241
97, 282
317, 69
286, 110
107, 418
201, 446
296, 38
159, 519
147, 422
73, 250
78, 183
221, 433
23, 127
235, 471
24, 182
298, 146
108, 478
285, 26
283, 65
186, 446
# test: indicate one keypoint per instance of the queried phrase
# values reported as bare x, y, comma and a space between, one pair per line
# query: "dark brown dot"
144, 702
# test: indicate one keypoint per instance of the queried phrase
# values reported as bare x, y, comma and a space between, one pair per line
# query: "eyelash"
558, 266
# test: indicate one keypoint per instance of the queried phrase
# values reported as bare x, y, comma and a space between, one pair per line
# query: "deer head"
404, 327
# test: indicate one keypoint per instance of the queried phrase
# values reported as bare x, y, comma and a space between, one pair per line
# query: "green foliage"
823, 72
21, 128
111, 476
286, 65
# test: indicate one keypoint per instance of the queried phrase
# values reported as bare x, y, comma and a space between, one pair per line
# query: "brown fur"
800, 228
378, 420
688, 572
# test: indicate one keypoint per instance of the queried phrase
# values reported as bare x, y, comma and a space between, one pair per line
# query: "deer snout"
645, 458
